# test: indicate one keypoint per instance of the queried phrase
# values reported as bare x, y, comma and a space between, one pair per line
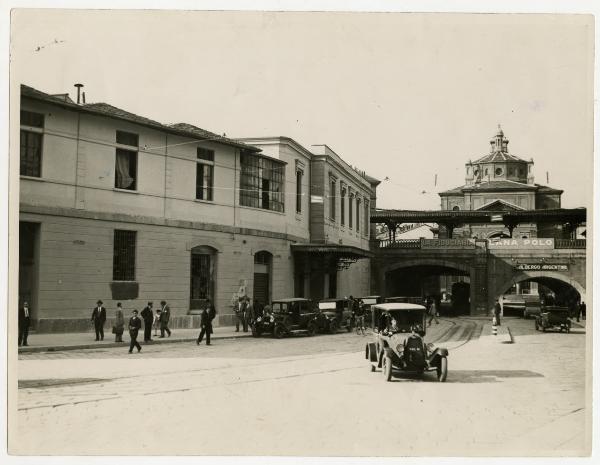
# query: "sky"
402, 96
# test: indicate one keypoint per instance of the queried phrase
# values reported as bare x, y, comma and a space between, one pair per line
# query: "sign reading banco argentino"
532, 243
542, 267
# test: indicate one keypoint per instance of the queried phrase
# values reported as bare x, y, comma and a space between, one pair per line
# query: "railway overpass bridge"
492, 265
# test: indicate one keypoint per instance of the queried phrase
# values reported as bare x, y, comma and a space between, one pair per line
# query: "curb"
61, 348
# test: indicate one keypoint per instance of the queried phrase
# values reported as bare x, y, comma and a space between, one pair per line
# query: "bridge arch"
465, 267
538, 276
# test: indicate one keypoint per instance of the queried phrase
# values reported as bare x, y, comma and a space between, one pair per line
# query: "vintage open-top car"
553, 317
294, 315
399, 330
335, 313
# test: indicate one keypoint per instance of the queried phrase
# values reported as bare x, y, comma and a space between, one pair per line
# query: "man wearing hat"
99, 317
24, 321
147, 316
165, 315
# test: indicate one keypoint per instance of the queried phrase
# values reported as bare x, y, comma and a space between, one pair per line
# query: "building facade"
118, 207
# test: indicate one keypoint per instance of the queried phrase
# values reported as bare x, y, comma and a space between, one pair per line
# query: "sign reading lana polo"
510, 243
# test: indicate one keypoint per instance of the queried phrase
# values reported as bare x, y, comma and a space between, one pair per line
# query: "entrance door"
262, 277
201, 278
28, 264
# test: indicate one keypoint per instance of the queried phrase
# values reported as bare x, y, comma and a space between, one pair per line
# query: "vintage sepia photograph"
300, 234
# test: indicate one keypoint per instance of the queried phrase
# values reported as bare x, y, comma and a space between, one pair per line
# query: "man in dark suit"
99, 317
206, 318
147, 316
165, 315
24, 322
134, 326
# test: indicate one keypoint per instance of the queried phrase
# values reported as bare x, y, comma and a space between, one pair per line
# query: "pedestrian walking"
433, 313
148, 317
360, 317
206, 318
156, 323
135, 325
497, 312
24, 322
99, 317
582, 309
119, 326
165, 315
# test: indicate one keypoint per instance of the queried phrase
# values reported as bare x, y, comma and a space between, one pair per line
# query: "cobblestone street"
299, 396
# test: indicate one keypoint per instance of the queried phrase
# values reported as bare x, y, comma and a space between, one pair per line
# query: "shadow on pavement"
488, 376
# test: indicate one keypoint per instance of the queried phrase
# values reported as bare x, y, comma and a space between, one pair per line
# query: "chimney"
79, 86
83, 98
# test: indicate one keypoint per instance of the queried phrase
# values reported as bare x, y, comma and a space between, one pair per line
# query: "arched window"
455, 208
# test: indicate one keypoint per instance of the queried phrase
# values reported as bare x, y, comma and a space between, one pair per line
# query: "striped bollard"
494, 327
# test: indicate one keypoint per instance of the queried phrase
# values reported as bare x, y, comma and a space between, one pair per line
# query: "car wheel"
311, 329
278, 332
387, 368
442, 370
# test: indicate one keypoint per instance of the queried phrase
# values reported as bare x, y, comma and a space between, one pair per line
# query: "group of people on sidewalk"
151, 320
245, 311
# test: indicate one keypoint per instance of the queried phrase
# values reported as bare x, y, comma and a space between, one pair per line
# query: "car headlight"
259, 319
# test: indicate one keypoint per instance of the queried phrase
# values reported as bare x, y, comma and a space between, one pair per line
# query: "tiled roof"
497, 157
104, 109
501, 185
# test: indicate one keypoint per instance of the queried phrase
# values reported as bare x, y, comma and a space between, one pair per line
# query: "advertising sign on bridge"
542, 267
510, 243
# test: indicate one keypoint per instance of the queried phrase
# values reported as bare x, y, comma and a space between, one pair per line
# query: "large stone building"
118, 207
500, 181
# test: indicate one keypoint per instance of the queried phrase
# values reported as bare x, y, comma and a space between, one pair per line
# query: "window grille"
124, 255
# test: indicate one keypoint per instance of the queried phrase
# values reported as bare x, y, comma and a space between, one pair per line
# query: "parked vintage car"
335, 314
368, 302
264, 323
553, 318
399, 330
294, 315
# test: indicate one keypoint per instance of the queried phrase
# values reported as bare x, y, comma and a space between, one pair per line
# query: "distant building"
501, 181
118, 207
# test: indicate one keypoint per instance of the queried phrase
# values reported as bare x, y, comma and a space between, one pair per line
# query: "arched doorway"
263, 262
202, 277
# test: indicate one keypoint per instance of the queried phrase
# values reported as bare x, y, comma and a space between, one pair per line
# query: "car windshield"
401, 320
280, 307
327, 305
369, 301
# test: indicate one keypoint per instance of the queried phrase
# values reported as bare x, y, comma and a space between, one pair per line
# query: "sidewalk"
49, 342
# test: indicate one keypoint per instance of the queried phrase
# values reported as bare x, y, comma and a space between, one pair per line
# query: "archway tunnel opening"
527, 297
450, 287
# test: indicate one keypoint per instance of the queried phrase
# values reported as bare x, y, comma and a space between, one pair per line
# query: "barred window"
31, 143
200, 277
124, 255
332, 197
262, 183
204, 173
